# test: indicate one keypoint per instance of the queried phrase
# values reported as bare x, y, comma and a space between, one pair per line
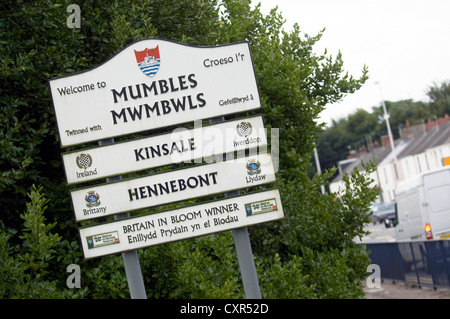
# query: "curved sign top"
151, 84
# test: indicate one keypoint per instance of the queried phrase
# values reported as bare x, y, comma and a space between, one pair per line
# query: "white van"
423, 206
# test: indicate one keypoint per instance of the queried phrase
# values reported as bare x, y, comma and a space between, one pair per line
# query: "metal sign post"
243, 247
130, 258
133, 269
246, 263
154, 84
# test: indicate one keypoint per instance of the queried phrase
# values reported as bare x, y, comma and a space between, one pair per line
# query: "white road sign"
187, 222
151, 84
181, 145
159, 189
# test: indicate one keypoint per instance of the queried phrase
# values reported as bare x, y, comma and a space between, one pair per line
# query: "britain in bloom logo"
148, 60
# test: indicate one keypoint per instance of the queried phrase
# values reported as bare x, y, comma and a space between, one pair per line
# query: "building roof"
377, 155
415, 140
434, 136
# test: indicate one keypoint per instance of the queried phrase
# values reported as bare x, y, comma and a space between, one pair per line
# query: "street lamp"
391, 139
316, 156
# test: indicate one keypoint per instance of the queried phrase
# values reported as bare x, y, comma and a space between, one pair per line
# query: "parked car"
384, 213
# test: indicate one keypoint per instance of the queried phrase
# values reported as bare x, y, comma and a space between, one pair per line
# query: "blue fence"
421, 263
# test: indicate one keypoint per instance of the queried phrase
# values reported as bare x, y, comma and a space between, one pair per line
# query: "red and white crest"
148, 60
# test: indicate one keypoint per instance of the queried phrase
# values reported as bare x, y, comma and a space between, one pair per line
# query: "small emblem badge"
105, 239
92, 199
253, 167
244, 129
263, 206
148, 60
84, 161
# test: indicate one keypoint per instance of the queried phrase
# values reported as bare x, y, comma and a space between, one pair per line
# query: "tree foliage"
439, 95
309, 254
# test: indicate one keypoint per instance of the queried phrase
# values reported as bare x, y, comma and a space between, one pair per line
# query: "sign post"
130, 259
246, 263
154, 84
243, 248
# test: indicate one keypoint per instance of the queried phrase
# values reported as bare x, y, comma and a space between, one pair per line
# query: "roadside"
389, 290
399, 290
378, 233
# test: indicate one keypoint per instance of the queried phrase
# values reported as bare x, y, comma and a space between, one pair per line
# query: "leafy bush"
25, 268
309, 254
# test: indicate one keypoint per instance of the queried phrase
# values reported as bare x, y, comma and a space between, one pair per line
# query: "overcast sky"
404, 43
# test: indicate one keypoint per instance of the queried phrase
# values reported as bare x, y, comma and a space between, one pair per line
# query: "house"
420, 148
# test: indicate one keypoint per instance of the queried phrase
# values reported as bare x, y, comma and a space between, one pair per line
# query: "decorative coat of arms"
253, 167
148, 60
244, 129
84, 161
92, 199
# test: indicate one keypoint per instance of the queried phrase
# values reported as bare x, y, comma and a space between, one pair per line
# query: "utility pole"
391, 139
316, 156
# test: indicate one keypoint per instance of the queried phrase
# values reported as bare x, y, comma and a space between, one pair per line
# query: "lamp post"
316, 156
391, 139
